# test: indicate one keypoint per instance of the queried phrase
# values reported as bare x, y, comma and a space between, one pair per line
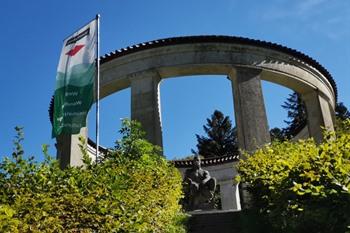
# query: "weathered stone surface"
145, 105
224, 175
199, 187
250, 113
214, 58
142, 70
226, 222
214, 222
319, 114
68, 150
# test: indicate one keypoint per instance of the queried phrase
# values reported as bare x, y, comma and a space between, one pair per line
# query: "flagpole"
97, 85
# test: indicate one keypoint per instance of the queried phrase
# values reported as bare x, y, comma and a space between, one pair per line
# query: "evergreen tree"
341, 112
296, 113
221, 139
298, 117
277, 134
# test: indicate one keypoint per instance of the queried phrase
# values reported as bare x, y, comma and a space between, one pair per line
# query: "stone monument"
199, 188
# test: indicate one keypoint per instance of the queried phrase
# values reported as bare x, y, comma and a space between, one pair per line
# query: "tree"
277, 134
341, 112
133, 189
221, 139
298, 117
302, 186
296, 111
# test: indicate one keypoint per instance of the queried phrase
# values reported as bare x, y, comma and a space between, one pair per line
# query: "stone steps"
214, 222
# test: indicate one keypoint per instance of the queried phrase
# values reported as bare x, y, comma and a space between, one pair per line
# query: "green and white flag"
76, 72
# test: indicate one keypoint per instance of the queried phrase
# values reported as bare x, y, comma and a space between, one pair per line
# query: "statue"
199, 187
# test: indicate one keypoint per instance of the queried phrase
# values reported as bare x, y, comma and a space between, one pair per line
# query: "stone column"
68, 150
236, 196
319, 114
250, 113
251, 121
145, 105
229, 196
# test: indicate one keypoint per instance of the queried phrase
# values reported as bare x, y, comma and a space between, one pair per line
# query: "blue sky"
31, 39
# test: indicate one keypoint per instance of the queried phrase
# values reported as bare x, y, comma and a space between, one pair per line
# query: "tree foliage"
221, 139
341, 112
302, 186
296, 111
296, 114
132, 190
297, 117
277, 134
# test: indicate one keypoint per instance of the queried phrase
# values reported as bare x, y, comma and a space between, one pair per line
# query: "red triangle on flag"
74, 50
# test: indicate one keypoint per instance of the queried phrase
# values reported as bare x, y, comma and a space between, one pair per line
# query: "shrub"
302, 187
132, 189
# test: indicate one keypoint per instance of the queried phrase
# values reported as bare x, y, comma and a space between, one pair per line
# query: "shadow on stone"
228, 221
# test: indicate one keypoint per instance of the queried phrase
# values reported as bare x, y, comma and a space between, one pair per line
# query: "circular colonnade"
245, 61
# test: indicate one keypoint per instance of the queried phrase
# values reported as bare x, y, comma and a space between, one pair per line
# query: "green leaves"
302, 185
133, 189
221, 139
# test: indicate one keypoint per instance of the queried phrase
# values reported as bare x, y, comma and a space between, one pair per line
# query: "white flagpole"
97, 85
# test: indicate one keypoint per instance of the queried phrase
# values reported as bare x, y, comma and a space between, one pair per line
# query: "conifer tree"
221, 139
296, 114
277, 134
341, 112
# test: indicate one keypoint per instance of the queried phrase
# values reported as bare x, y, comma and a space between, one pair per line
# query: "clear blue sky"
31, 39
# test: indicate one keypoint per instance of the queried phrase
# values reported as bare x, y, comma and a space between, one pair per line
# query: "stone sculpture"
199, 187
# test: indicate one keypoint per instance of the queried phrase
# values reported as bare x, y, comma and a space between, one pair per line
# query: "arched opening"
274, 97
186, 103
143, 65
113, 108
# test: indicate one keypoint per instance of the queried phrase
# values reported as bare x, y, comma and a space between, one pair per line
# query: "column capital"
237, 70
153, 73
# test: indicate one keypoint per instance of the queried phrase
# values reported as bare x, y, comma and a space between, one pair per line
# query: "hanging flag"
76, 73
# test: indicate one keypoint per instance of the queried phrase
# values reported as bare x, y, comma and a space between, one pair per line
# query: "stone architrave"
141, 66
250, 113
319, 114
145, 104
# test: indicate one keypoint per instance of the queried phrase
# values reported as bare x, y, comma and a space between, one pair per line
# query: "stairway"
214, 222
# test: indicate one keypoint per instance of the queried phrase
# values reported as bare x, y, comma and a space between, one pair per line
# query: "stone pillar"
68, 150
229, 196
250, 113
145, 105
236, 196
251, 121
319, 114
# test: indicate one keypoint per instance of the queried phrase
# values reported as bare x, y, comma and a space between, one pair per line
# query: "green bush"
302, 186
132, 189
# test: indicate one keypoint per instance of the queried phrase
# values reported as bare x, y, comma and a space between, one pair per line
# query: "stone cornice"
220, 39
206, 162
